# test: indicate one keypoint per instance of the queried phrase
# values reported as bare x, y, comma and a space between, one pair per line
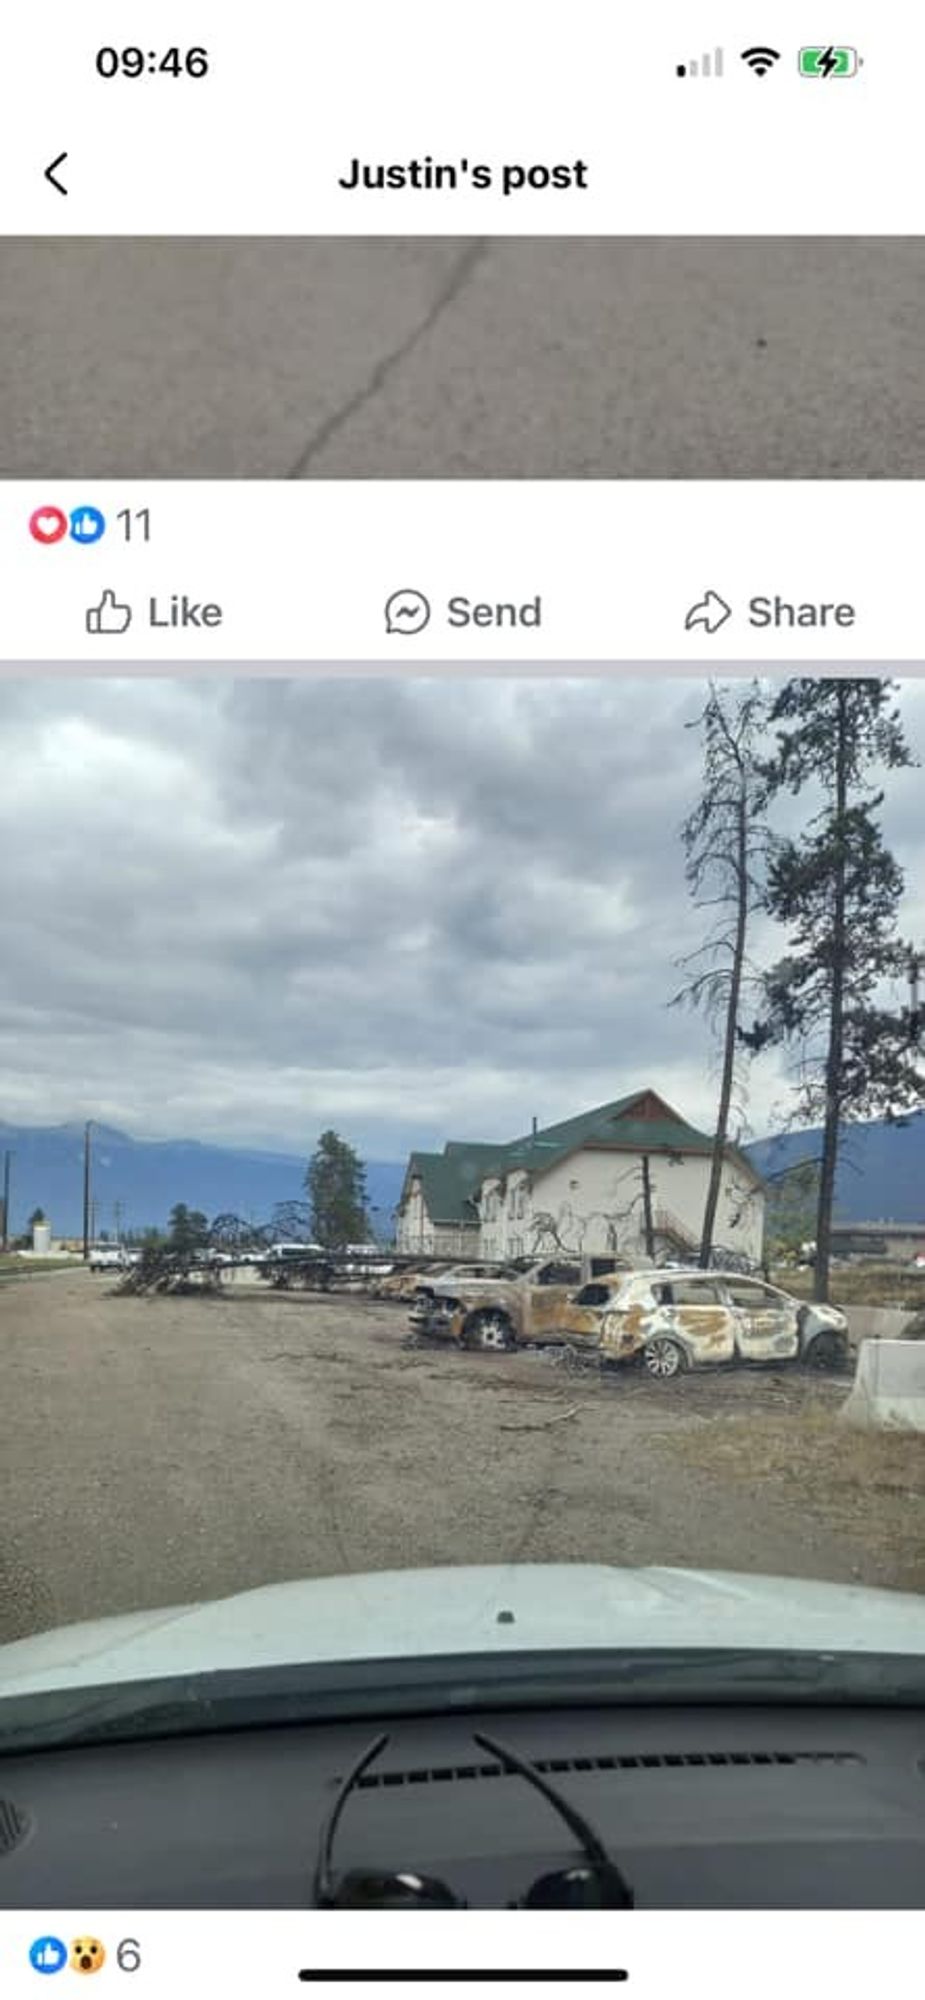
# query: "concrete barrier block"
877, 1322
889, 1387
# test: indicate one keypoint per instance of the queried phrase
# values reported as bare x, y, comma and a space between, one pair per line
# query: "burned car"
668, 1321
694, 1319
401, 1285
406, 1284
487, 1308
449, 1278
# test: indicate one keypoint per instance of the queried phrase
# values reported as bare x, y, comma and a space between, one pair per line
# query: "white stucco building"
591, 1184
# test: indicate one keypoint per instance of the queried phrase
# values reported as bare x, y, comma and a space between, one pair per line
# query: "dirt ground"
162, 1450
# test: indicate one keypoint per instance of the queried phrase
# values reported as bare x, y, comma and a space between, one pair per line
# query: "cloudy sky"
242, 910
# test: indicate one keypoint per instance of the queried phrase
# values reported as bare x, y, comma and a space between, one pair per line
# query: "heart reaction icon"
48, 525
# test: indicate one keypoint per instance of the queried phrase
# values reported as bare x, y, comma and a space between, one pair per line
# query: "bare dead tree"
292, 1221
726, 842
234, 1233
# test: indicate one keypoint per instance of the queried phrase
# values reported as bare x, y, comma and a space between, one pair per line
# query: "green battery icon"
828, 62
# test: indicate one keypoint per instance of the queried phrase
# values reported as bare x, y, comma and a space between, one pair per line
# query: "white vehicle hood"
410, 1614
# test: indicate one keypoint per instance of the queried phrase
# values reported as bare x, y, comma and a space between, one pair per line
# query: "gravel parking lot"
162, 1450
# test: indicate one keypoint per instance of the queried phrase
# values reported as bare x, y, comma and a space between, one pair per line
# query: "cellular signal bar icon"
710, 64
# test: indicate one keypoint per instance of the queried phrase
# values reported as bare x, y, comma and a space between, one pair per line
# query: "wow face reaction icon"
87, 1955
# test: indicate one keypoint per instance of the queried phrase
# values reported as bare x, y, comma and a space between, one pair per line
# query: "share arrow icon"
711, 612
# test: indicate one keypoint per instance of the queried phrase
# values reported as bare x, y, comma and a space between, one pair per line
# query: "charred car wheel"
827, 1350
490, 1331
663, 1357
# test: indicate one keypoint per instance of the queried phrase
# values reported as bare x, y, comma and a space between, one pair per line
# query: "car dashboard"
701, 1806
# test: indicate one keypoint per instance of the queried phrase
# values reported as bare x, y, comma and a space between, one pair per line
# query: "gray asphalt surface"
447, 358
165, 1450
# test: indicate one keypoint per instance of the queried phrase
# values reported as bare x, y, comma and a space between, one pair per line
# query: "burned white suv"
691, 1319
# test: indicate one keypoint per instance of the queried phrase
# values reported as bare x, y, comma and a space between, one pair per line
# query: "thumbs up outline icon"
109, 618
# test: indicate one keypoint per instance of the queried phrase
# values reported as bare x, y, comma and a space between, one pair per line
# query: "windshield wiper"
387, 1689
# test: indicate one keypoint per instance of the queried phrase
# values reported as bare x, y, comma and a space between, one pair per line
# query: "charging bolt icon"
828, 62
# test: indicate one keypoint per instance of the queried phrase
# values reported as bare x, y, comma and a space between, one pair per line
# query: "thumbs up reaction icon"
107, 616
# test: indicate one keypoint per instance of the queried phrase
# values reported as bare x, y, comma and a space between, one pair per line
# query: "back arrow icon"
50, 173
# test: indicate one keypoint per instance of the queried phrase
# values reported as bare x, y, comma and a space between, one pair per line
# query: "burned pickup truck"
668, 1321
494, 1311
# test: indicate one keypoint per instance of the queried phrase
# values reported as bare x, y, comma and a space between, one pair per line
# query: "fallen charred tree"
202, 1263
162, 1269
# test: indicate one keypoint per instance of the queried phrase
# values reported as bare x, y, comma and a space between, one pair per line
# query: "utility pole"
87, 1223
117, 1214
6, 1199
647, 1206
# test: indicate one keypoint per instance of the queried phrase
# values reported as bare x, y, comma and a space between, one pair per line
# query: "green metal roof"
451, 1179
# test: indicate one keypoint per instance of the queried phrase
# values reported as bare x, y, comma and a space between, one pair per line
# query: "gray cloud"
234, 910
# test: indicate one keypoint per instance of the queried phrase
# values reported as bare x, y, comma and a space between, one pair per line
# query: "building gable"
641, 1122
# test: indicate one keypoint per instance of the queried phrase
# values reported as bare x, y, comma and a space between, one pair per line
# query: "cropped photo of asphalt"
442, 358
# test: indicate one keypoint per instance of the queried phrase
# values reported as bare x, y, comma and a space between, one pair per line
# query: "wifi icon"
760, 60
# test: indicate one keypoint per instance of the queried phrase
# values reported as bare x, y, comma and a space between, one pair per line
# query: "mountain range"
881, 1176
881, 1167
146, 1177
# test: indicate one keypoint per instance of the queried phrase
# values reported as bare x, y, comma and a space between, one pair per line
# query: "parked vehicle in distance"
668, 1320
282, 1262
365, 1260
446, 1282
112, 1257
282, 1253
404, 1285
285, 1264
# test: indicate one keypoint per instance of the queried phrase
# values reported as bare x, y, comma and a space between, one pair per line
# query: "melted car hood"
415, 1614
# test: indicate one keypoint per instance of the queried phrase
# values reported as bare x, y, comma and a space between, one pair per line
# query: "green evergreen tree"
791, 1208
837, 889
188, 1228
335, 1182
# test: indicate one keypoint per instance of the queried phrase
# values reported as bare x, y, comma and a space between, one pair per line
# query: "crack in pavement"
455, 283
